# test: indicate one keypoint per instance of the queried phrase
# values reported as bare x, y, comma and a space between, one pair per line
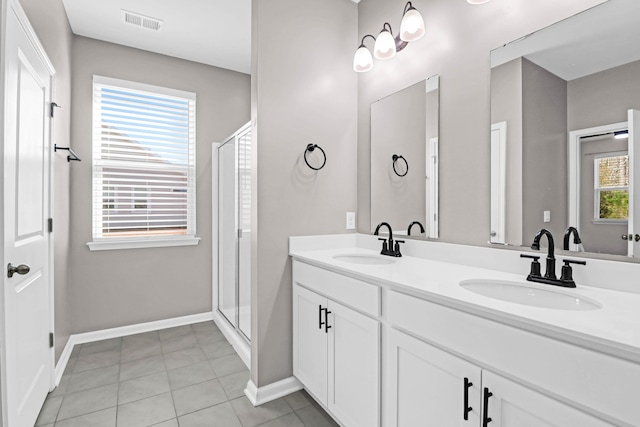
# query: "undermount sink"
365, 259
529, 295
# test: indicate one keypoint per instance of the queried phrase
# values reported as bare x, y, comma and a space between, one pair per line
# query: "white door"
427, 386
310, 337
634, 183
498, 182
27, 358
354, 367
512, 405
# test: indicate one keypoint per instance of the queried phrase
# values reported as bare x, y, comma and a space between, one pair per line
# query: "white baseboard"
258, 396
240, 345
123, 331
64, 359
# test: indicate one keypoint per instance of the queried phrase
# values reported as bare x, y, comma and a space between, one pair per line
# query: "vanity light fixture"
386, 45
362, 60
621, 134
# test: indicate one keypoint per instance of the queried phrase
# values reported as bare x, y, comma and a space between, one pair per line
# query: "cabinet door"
513, 405
426, 386
310, 341
354, 367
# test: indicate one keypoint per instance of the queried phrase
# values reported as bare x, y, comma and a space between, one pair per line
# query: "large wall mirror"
404, 159
565, 132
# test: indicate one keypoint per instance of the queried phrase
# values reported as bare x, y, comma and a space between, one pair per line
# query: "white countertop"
613, 329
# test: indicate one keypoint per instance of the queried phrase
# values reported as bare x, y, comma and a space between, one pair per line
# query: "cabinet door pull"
485, 417
320, 321
467, 408
326, 320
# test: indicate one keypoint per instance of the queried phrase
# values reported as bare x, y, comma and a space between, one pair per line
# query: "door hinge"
50, 225
50, 339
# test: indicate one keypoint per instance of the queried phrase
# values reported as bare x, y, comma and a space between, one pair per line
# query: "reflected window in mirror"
611, 187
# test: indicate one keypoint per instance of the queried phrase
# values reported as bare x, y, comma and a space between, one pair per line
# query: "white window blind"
143, 161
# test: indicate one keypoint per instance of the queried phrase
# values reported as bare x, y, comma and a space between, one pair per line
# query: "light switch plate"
351, 220
547, 216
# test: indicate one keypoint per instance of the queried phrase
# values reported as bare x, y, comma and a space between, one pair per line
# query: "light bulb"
412, 26
385, 47
362, 60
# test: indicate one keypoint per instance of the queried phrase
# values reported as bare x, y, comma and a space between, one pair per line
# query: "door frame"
13, 6
574, 153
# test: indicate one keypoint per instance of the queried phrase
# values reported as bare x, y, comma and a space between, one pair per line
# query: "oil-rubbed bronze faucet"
567, 236
387, 245
549, 278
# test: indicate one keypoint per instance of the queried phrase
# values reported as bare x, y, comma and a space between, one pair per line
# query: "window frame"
597, 188
130, 242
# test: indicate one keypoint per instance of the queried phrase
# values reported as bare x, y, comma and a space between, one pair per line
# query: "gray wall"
304, 91
457, 45
506, 106
54, 32
544, 151
122, 287
399, 127
604, 98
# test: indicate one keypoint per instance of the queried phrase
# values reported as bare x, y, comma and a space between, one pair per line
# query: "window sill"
108, 245
610, 221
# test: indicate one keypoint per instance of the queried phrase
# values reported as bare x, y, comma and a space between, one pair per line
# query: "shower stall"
234, 232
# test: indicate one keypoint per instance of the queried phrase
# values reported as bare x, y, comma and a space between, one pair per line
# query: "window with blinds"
143, 161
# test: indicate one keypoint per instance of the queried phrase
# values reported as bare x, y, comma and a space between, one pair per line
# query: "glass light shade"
412, 26
362, 60
385, 47
477, 1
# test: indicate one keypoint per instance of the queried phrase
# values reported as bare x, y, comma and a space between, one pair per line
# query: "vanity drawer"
357, 294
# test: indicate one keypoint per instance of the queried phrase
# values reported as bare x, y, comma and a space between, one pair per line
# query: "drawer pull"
320, 321
326, 320
485, 417
467, 408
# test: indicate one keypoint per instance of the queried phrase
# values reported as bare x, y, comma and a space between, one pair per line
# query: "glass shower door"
227, 226
234, 222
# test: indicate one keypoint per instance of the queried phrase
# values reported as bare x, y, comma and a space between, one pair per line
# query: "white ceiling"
598, 39
213, 32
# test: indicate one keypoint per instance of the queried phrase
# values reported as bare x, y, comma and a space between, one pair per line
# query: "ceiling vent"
138, 20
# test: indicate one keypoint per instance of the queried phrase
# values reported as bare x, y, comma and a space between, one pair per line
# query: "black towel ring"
395, 158
311, 147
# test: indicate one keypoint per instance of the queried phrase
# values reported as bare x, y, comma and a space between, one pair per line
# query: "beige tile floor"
188, 376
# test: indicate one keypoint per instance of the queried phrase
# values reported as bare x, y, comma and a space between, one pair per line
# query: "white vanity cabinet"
336, 348
428, 386
437, 353
513, 405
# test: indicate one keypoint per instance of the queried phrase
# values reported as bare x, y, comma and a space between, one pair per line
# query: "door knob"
21, 269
